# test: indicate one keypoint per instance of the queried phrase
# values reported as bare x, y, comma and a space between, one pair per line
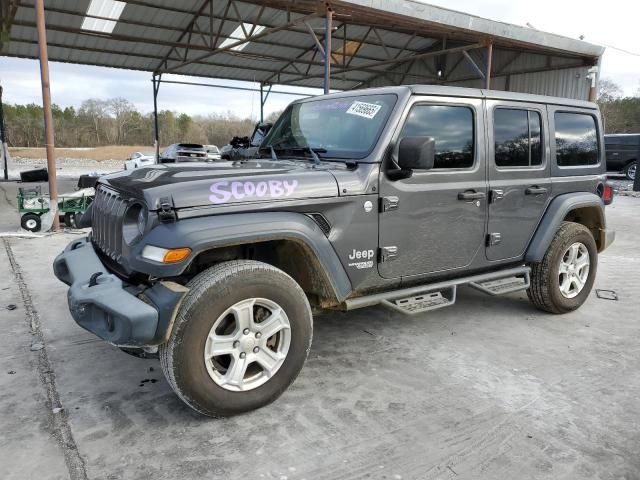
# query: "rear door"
435, 220
519, 175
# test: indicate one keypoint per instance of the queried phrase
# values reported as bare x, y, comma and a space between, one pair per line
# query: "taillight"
607, 194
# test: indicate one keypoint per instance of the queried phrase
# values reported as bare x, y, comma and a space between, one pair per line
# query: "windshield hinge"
166, 213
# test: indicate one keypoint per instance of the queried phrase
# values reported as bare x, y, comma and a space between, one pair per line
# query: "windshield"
346, 127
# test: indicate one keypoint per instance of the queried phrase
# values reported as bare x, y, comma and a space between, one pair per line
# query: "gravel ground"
66, 167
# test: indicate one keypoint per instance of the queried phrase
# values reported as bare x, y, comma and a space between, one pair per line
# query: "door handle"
470, 195
535, 190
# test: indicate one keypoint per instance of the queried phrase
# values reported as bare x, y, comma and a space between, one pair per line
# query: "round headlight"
134, 223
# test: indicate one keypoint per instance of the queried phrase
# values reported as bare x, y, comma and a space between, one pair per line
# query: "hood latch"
166, 213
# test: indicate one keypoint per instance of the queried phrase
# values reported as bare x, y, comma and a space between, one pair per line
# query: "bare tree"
608, 90
122, 111
97, 111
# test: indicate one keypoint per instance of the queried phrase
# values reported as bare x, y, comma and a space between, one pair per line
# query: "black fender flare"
554, 216
207, 233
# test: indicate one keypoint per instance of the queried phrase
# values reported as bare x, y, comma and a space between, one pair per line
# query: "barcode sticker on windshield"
362, 109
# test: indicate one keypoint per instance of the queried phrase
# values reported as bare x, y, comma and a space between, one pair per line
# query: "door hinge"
496, 195
494, 239
388, 253
166, 213
389, 203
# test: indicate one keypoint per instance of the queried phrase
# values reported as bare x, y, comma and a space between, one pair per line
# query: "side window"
576, 139
517, 137
452, 129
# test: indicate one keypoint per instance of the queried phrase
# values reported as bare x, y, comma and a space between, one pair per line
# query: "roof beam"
473, 64
408, 58
222, 21
188, 31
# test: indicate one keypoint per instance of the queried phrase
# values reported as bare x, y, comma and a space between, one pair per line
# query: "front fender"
555, 215
206, 233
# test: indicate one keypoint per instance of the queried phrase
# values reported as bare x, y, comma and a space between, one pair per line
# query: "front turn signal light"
176, 255
165, 255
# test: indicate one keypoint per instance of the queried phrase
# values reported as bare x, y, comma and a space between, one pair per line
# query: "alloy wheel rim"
573, 271
247, 344
632, 171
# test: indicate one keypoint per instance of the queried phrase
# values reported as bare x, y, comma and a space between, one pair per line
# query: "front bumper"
101, 303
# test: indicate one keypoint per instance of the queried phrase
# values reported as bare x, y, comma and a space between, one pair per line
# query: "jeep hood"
225, 183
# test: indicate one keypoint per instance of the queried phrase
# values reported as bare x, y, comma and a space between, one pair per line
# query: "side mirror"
416, 153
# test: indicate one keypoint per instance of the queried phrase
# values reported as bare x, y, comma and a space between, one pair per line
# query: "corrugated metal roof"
375, 42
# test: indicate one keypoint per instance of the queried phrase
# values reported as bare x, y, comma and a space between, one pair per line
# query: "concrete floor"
489, 388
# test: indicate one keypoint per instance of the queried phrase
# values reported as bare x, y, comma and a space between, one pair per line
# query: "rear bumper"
102, 304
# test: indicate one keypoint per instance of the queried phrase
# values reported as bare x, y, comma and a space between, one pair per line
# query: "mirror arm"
399, 174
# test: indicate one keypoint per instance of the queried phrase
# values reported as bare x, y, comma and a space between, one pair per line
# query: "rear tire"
31, 222
563, 281
216, 359
70, 220
630, 170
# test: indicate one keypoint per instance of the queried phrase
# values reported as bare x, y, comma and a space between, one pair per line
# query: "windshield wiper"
316, 158
284, 147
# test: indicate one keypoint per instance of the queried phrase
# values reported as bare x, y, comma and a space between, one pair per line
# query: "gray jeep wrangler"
391, 196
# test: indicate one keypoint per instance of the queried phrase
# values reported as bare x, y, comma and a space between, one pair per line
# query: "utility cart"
32, 204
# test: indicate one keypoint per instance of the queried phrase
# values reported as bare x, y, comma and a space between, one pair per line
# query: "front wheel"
240, 338
563, 280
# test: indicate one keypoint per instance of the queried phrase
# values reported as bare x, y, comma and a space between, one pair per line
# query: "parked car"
139, 159
183, 152
243, 148
392, 196
213, 152
623, 153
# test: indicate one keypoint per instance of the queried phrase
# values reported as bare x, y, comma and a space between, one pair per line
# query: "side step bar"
428, 297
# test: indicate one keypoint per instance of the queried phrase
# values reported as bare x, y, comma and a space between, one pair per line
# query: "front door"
435, 220
519, 183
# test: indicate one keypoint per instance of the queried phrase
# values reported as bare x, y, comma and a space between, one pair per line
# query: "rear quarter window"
576, 139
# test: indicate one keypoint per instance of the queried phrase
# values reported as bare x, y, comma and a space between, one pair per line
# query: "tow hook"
93, 281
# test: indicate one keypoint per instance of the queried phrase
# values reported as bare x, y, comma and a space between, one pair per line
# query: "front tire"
563, 280
240, 338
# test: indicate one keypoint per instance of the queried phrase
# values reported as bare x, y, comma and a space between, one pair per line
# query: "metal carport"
337, 44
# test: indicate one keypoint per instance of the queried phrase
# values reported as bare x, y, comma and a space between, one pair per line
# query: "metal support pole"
261, 103
156, 129
487, 76
328, 26
594, 76
46, 105
3, 141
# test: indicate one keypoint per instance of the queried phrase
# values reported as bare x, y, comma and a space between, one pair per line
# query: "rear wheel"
630, 170
70, 219
31, 222
241, 336
564, 278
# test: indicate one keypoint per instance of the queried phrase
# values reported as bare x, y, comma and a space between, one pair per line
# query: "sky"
613, 26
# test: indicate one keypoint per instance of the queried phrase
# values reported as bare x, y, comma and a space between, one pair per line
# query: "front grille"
108, 211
